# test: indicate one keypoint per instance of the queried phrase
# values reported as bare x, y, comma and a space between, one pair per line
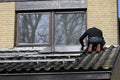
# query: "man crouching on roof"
95, 40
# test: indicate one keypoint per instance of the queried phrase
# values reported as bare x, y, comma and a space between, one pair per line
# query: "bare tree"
69, 27
30, 29
29, 24
34, 28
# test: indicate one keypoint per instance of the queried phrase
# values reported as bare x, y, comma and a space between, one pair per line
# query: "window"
50, 28
68, 27
33, 29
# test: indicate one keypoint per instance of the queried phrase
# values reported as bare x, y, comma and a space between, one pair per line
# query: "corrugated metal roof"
13, 61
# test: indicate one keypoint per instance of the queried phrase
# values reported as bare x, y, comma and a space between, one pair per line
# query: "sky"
119, 8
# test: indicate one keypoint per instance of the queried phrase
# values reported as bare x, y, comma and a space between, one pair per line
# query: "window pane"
69, 27
33, 29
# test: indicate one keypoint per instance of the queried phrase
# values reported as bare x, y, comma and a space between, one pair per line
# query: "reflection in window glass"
69, 27
33, 28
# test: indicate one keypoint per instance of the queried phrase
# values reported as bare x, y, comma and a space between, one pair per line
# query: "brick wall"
100, 13
103, 14
7, 22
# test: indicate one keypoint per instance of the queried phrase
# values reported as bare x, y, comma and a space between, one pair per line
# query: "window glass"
50, 28
33, 28
69, 27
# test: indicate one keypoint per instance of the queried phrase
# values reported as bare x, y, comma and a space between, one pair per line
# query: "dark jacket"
91, 32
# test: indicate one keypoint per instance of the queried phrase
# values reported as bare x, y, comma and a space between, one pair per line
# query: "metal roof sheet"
35, 62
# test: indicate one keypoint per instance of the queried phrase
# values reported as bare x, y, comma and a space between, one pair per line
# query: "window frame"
17, 44
69, 12
51, 25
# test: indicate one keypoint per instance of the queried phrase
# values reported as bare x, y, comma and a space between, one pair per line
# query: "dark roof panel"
38, 62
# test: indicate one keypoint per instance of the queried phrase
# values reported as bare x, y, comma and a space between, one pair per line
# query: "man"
95, 40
